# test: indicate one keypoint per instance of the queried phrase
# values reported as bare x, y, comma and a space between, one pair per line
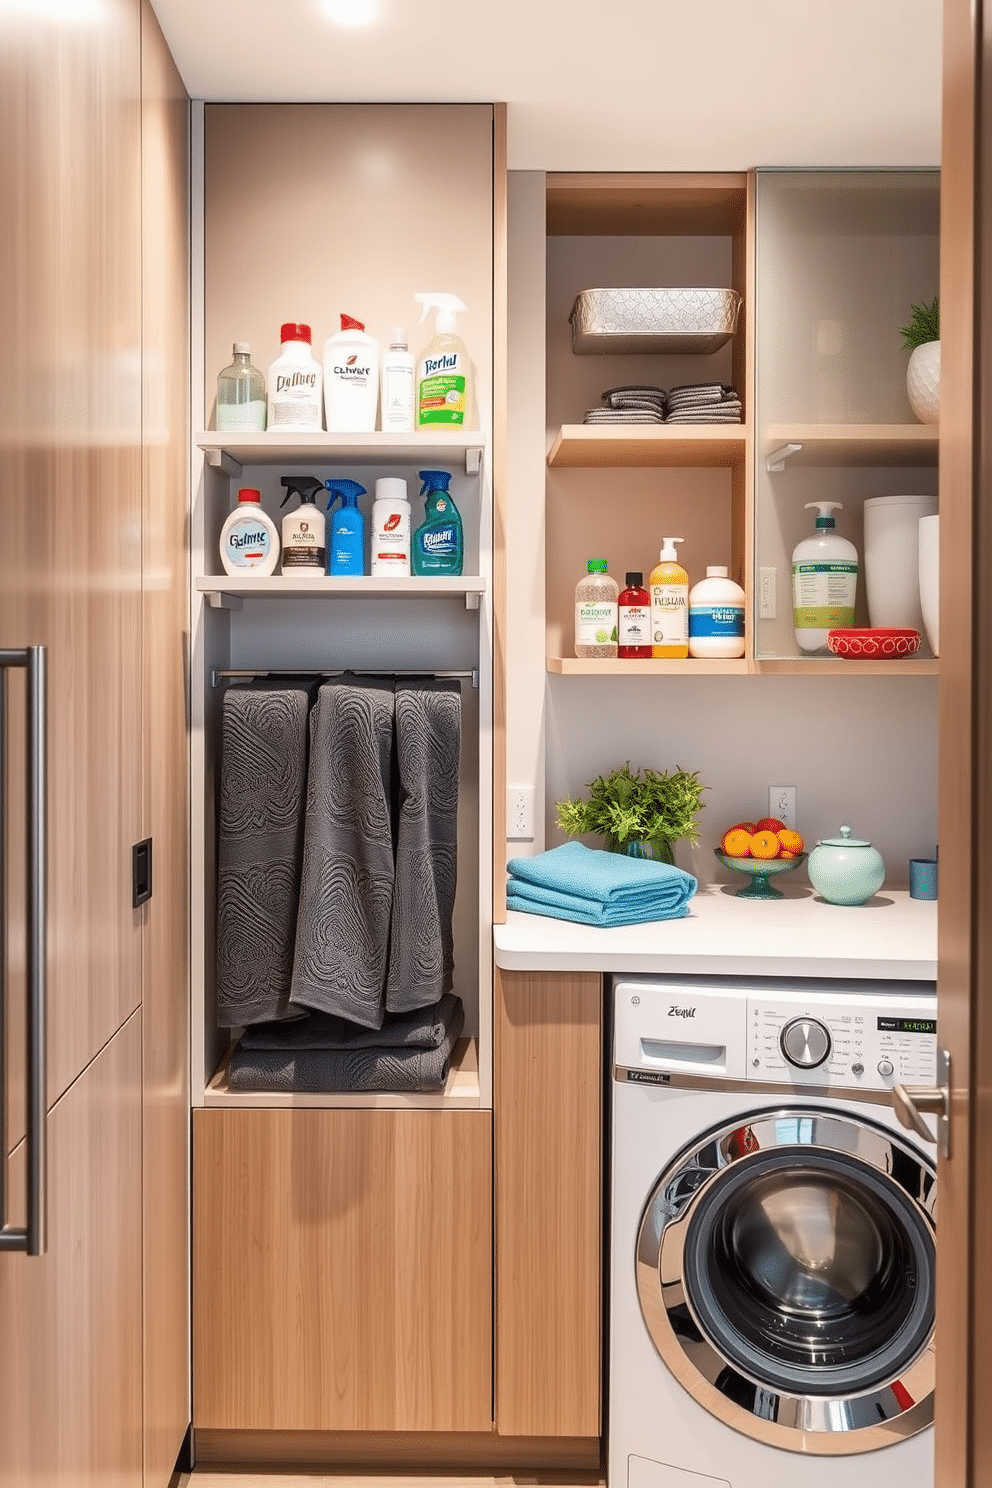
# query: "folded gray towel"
318, 1071
428, 746
346, 886
422, 1028
263, 775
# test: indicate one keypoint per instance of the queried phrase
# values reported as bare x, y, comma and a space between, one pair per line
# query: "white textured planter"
923, 382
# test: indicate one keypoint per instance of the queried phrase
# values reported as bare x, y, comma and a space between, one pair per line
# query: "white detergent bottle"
443, 372
249, 539
824, 581
294, 383
351, 379
390, 551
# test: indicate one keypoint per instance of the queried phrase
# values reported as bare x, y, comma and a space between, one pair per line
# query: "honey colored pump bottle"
669, 585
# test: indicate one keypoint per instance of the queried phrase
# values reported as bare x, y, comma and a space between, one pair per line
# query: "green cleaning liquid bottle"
443, 374
438, 546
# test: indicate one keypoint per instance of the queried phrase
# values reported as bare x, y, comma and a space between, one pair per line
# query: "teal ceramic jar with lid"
845, 869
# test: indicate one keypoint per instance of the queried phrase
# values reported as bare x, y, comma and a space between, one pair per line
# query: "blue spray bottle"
438, 546
346, 544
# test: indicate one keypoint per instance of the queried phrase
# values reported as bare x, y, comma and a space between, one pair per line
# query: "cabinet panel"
548, 1156
342, 1268
70, 1365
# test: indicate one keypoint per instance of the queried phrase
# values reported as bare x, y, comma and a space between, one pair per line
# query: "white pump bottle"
443, 372
824, 581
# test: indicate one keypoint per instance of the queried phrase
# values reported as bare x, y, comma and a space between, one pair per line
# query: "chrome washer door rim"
811, 1421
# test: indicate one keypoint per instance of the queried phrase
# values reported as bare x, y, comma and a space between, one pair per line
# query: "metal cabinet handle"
33, 1237
911, 1105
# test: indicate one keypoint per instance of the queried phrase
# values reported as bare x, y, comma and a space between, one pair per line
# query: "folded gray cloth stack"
704, 403
636, 404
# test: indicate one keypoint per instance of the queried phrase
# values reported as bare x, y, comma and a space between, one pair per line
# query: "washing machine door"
785, 1271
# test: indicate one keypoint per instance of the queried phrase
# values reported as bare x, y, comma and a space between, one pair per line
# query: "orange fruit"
783, 853
769, 824
790, 841
736, 843
765, 845
749, 827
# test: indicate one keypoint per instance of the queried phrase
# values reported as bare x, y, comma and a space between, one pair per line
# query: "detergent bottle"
303, 530
438, 546
346, 548
443, 373
824, 581
669, 586
351, 379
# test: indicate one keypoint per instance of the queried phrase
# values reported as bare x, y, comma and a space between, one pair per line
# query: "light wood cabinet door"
70, 1321
342, 1270
548, 1144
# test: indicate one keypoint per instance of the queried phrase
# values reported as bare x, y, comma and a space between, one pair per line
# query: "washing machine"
772, 1237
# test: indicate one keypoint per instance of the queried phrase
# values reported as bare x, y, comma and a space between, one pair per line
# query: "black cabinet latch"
141, 872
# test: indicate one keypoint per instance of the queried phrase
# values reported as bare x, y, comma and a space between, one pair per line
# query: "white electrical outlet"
767, 609
520, 813
782, 804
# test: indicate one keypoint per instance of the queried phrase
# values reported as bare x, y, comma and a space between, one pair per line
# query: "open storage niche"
310, 211
615, 492
841, 256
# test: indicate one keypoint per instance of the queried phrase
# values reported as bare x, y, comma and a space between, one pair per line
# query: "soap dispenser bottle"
303, 545
669, 586
824, 581
346, 546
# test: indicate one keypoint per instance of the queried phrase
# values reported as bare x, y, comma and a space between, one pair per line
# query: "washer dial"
805, 1042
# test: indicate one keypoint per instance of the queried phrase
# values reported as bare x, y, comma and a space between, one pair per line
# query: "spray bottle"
443, 373
438, 545
303, 530
824, 581
346, 549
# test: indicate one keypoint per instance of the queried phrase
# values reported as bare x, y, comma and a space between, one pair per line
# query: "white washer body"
696, 1054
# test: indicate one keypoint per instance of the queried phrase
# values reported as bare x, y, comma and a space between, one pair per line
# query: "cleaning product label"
303, 544
595, 622
247, 545
441, 395
634, 625
823, 594
716, 620
295, 398
391, 545
669, 605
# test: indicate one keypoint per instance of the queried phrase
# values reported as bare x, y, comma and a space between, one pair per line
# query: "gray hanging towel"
346, 888
399, 1068
428, 748
421, 1028
263, 774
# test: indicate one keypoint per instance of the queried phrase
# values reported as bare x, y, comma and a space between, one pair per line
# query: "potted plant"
922, 336
642, 813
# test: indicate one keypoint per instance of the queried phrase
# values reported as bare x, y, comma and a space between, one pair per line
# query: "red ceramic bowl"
873, 645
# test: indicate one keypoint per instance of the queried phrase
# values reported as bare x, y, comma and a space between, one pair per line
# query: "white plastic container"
892, 559
824, 581
351, 379
397, 399
249, 539
596, 611
716, 615
390, 552
295, 384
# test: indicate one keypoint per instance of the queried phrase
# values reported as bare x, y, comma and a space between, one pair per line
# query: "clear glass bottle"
596, 611
241, 394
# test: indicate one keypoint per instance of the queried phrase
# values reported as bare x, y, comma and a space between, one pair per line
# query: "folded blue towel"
594, 887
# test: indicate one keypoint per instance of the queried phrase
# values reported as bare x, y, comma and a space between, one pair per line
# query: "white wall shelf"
231, 452
220, 591
862, 445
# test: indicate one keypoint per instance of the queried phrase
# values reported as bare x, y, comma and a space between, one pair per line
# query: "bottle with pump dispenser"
438, 545
443, 372
716, 615
390, 548
824, 581
596, 612
241, 394
351, 379
396, 400
669, 586
295, 384
303, 544
346, 544
249, 539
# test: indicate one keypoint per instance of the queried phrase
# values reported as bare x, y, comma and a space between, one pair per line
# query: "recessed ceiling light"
351, 12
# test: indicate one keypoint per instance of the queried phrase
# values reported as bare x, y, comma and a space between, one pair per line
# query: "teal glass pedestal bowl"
759, 872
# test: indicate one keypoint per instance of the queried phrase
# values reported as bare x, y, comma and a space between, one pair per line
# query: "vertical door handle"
33, 1237
912, 1104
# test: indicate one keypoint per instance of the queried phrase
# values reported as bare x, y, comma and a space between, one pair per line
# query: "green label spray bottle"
438, 545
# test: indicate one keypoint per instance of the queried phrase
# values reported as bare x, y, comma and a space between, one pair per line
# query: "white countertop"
892, 936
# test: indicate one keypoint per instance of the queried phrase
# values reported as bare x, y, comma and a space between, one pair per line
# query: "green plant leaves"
643, 805
924, 325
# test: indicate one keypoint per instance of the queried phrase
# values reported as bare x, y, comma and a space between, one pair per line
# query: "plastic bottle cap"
390, 488
397, 340
668, 552
295, 331
248, 493
349, 323
597, 565
242, 348
633, 580
717, 571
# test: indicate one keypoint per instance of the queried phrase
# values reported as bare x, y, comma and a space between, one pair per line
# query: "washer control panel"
869, 1043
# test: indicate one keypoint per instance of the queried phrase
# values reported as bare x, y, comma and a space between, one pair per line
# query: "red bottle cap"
248, 493
293, 331
348, 323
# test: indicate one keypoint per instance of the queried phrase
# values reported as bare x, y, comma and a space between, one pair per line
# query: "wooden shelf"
589, 446
849, 444
692, 666
836, 666
221, 591
231, 451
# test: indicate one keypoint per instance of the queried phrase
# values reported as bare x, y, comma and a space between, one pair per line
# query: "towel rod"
219, 674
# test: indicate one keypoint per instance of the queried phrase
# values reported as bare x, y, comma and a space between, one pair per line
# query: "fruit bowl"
873, 644
759, 871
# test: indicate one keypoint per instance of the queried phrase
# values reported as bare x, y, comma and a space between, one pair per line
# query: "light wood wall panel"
549, 1196
165, 918
342, 1270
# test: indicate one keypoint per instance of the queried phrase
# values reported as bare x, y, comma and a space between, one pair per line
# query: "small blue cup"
923, 878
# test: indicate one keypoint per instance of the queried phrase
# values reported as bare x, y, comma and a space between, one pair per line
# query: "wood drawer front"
342, 1270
